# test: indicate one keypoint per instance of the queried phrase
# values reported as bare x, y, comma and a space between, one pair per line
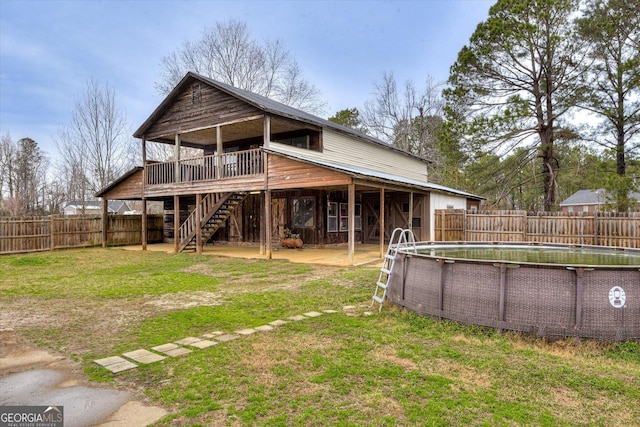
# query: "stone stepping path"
117, 364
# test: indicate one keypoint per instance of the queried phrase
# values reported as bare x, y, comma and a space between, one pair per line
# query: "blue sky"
50, 49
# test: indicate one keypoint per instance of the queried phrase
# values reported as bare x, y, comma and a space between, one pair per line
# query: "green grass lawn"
393, 368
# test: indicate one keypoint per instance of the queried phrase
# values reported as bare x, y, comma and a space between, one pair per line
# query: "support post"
268, 222
105, 221
144, 225
199, 224
381, 222
503, 292
219, 152
177, 160
352, 223
176, 223
579, 293
144, 163
266, 131
263, 222
410, 225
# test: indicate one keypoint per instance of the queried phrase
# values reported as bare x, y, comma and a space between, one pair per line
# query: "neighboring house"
95, 207
267, 169
590, 201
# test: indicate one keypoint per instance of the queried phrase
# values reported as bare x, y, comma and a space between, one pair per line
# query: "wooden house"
266, 169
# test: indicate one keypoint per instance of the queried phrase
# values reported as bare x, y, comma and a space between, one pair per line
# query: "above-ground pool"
548, 290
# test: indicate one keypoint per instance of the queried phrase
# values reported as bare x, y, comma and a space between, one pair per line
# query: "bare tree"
409, 119
227, 53
94, 147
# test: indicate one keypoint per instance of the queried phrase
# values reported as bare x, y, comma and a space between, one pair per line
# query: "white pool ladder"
400, 239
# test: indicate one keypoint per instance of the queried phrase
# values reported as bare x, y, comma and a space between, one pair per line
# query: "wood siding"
189, 112
341, 149
251, 183
287, 173
129, 189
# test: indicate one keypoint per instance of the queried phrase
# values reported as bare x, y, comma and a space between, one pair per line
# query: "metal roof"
268, 106
377, 175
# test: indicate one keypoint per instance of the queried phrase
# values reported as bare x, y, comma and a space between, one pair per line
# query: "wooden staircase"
215, 208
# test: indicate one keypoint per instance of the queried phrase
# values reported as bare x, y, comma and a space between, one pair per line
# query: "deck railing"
207, 168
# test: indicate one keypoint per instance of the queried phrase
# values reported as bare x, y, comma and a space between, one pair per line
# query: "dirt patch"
184, 300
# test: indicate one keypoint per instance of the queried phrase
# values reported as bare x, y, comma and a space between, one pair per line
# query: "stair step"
378, 299
382, 285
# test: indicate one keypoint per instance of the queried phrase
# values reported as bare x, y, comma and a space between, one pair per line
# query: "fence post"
596, 232
525, 224
52, 234
105, 222
464, 225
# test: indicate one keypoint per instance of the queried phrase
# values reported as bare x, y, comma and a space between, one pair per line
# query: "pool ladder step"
399, 239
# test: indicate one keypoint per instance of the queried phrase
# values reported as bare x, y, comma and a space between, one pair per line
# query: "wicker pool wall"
546, 300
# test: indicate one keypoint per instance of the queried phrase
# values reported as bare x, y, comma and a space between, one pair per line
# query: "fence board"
34, 234
600, 228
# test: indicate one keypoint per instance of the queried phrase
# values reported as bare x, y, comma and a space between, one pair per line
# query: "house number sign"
617, 297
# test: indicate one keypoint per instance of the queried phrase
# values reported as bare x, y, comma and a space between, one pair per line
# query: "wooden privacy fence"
599, 228
43, 233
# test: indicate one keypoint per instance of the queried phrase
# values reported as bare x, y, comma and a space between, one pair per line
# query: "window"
332, 217
296, 141
338, 220
303, 212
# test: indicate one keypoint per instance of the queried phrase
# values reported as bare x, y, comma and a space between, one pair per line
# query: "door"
278, 223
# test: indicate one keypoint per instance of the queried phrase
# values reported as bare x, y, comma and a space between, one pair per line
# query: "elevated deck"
239, 170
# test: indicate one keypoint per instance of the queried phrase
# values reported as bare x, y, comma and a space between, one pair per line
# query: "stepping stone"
143, 356
109, 360
296, 317
203, 344
349, 307
367, 313
213, 334
188, 341
313, 314
165, 347
227, 337
278, 322
115, 364
246, 331
180, 351
265, 328
330, 311
122, 366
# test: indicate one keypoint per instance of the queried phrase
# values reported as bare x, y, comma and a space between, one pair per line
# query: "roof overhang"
368, 175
